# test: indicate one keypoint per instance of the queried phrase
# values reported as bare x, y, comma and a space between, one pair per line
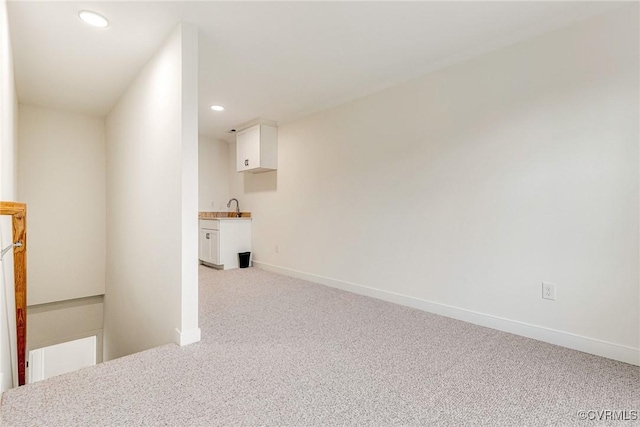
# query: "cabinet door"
248, 149
214, 244
205, 245
209, 246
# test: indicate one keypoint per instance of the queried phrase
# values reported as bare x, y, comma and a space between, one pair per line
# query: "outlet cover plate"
549, 291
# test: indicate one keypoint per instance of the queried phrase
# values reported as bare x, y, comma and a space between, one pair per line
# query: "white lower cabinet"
221, 240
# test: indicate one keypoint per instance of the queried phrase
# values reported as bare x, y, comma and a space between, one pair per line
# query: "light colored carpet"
280, 351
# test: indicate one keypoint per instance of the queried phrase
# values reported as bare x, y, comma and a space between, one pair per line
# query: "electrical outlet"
276, 249
549, 291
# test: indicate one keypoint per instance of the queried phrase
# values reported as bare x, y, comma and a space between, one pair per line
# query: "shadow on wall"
260, 182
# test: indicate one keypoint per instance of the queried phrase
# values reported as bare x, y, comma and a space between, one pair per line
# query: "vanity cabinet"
257, 149
221, 240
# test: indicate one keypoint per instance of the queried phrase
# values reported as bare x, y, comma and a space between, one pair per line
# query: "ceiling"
272, 60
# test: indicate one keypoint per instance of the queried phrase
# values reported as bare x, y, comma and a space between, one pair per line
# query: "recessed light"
217, 108
93, 18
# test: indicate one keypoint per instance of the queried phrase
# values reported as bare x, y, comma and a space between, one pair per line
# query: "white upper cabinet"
257, 149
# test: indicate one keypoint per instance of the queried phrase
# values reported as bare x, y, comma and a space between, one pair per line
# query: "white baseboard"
187, 337
565, 339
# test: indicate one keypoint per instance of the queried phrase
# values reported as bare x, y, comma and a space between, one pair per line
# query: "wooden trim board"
18, 212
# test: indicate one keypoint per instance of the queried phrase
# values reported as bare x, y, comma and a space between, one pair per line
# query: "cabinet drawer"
210, 224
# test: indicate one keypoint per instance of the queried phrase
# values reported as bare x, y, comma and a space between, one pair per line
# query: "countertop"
228, 218
223, 215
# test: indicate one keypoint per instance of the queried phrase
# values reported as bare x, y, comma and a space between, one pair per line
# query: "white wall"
152, 204
59, 322
62, 180
61, 358
213, 175
188, 332
470, 186
8, 183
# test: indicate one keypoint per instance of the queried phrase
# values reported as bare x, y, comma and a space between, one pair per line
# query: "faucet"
237, 206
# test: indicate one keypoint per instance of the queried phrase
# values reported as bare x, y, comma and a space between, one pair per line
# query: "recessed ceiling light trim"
216, 107
93, 18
